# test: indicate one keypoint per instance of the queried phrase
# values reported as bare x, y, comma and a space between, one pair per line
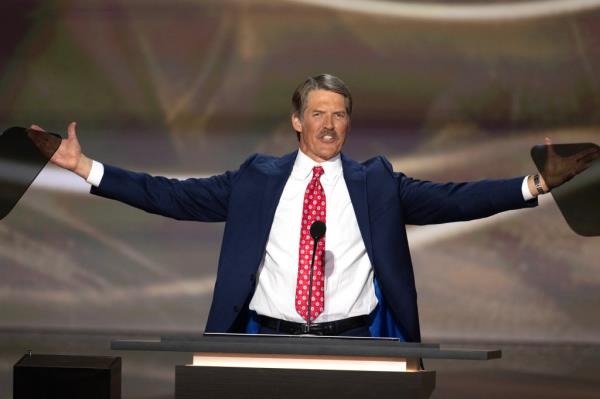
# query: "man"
362, 282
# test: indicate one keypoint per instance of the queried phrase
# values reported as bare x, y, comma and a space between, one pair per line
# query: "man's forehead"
325, 98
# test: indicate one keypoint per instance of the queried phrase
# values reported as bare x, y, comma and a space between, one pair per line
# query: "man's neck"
317, 159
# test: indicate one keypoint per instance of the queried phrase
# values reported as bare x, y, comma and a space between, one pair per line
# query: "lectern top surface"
280, 339
301, 345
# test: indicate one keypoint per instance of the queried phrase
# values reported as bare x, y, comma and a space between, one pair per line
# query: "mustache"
328, 132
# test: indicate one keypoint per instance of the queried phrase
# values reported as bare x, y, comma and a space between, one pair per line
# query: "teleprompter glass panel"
578, 166
23, 154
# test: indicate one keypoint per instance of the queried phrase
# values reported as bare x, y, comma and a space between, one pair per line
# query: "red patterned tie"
313, 209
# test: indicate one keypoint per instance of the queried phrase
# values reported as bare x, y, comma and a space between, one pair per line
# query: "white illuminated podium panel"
299, 367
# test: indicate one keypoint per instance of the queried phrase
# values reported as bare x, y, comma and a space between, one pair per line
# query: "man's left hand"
559, 169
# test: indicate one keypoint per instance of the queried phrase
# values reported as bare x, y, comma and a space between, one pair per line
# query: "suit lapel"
277, 174
356, 181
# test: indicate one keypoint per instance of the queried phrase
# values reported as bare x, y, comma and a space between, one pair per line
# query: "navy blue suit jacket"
246, 199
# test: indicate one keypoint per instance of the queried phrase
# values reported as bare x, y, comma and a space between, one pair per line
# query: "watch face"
538, 185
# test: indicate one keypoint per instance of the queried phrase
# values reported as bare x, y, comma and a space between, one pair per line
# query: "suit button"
236, 308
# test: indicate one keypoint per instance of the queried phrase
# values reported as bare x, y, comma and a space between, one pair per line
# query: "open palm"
69, 154
560, 169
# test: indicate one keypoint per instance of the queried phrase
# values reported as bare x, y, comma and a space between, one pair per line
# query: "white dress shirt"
349, 289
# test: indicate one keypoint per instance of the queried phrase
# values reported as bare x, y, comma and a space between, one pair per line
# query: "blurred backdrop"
193, 87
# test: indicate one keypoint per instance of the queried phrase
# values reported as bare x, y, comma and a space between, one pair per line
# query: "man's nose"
328, 122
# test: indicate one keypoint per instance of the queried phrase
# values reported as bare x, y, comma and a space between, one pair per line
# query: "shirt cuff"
525, 190
96, 174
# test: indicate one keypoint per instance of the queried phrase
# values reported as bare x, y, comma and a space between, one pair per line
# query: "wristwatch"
538, 184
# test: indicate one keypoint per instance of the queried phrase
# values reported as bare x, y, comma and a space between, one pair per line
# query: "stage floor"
527, 370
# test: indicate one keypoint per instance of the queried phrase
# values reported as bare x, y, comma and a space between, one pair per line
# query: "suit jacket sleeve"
201, 199
425, 202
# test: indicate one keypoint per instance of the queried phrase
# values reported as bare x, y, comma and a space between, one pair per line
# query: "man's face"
323, 125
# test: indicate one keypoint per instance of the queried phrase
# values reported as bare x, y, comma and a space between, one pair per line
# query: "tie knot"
317, 172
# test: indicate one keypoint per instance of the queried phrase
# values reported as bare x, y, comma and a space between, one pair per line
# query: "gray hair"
320, 82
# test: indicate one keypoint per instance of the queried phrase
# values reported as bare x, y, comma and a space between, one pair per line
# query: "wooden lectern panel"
193, 382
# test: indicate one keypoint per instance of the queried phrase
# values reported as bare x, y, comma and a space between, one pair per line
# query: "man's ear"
296, 122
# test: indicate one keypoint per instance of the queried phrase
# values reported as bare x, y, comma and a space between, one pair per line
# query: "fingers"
585, 159
587, 156
590, 155
581, 168
71, 131
36, 127
547, 141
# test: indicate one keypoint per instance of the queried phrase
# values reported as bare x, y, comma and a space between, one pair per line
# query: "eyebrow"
341, 111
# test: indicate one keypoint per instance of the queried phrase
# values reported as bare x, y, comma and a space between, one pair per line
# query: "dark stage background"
191, 88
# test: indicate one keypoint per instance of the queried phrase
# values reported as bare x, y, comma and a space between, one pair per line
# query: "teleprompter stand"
296, 367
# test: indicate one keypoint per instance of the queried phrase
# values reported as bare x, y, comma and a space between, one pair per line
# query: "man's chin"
326, 156
322, 153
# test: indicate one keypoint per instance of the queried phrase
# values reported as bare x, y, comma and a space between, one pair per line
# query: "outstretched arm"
427, 202
205, 199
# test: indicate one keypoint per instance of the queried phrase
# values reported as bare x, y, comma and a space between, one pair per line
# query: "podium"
67, 377
296, 367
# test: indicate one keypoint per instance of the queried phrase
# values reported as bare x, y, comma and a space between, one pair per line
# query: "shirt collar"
303, 166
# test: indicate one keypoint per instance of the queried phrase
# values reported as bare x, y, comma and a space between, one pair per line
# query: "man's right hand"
69, 155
